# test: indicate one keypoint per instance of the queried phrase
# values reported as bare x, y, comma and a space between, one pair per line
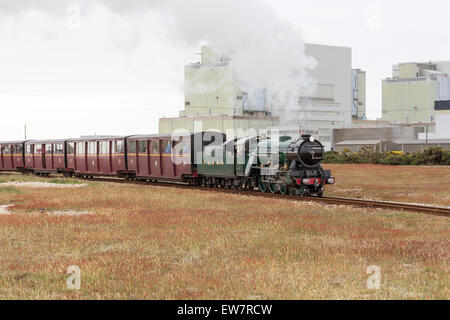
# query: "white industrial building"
409, 95
212, 89
330, 106
442, 119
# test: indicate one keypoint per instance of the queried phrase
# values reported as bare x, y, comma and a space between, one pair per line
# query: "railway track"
363, 203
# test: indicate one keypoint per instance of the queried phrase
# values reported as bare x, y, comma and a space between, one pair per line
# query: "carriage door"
48, 156
1, 157
154, 167
44, 165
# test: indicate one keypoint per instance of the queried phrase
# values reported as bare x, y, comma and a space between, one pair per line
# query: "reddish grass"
403, 183
158, 243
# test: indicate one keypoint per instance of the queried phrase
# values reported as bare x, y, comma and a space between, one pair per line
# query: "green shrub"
446, 158
395, 159
430, 156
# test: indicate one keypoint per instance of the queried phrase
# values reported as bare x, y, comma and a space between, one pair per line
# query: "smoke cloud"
266, 51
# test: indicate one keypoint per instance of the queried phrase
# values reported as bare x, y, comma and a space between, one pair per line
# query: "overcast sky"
69, 69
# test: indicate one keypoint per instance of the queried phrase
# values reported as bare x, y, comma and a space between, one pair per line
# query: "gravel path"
4, 209
41, 185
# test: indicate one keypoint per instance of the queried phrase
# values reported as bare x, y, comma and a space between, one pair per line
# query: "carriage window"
142, 146
155, 147
38, 149
29, 148
70, 147
92, 148
166, 147
183, 146
19, 149
132, 147
6, 150
48, 149
81, 148
118, 147
13, 149
58, 149
104, 147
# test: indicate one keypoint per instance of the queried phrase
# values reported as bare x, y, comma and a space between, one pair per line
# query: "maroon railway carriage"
96, 156
159, 157
11, 156
45, 156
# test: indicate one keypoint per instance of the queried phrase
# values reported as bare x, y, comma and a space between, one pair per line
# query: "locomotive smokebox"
308, 151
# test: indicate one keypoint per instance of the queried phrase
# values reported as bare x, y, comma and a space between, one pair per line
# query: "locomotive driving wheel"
273, 187
283, 188
302, 191
292, 191
262, 185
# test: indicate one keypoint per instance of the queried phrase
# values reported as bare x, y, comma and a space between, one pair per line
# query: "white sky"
115, 74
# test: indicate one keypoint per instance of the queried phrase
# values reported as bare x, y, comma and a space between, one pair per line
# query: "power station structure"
359, 94
410, 94
215, 97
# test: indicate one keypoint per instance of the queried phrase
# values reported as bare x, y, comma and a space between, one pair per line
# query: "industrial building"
359, 94
407, 138
214, 98
212, 90
331, 105
442, 119
411, 146
410, 94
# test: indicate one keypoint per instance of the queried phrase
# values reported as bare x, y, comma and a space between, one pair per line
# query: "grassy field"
403, 183
161, 243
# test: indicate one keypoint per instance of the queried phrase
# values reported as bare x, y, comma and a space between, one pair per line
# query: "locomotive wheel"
262, 185
273, 188
292, 192
301, 192
283, 188
320, 193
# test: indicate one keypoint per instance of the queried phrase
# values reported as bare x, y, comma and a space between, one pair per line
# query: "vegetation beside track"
425, 185
433, 156
163, 243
